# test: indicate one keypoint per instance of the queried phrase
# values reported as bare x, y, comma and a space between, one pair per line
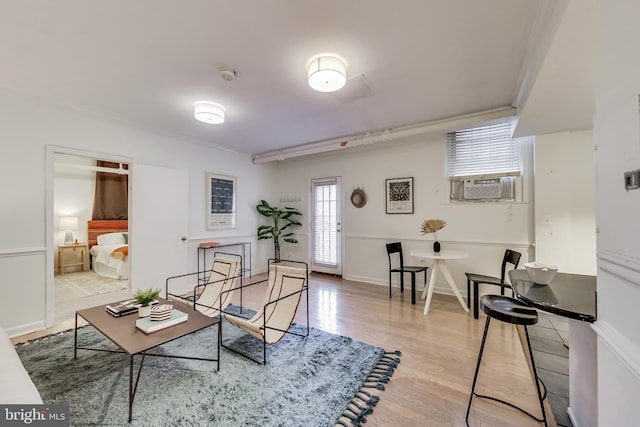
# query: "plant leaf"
432, 226
264, 208
265, 230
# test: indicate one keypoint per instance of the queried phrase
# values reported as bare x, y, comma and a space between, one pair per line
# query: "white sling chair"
213, 296
278, 309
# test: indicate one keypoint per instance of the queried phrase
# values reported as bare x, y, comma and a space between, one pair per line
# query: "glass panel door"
326, 226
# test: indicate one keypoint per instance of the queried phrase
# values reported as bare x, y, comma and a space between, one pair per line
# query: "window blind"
325, 222
483, 151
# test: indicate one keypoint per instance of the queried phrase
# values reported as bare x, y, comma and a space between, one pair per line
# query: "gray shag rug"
321, 380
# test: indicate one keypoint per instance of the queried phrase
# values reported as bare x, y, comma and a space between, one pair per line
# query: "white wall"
28, 127
617, 136
74, 192
73, 196
483, 230
565, 201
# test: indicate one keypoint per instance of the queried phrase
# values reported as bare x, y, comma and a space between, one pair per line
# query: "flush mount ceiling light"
327, 73
208, 112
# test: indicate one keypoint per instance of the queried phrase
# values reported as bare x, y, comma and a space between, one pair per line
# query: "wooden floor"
439, 351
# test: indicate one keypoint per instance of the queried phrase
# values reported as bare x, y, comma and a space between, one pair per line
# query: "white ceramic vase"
144, 311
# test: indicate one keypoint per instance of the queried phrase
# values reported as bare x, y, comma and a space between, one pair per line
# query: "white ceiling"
146, 62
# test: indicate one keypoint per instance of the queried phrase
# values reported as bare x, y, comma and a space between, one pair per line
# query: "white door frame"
340, 228
51, 151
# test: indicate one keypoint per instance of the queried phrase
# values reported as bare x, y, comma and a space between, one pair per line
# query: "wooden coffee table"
122, 332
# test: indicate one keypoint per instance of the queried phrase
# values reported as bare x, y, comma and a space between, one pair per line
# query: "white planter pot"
144, 311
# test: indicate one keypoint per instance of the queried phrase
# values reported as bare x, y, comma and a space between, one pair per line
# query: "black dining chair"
510, 257
396, 265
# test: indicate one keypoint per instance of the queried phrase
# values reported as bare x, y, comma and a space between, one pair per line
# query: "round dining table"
440, 266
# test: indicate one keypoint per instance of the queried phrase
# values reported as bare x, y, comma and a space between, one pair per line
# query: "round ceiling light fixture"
327, 73
208, 112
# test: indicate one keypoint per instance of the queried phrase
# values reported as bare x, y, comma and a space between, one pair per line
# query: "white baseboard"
25, 329
444, 290
572, 418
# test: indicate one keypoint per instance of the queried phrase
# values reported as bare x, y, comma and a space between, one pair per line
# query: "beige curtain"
111, 199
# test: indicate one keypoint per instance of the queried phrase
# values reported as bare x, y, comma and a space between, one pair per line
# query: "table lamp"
68, 223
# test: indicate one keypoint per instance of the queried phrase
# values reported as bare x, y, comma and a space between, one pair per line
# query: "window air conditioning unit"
486, 188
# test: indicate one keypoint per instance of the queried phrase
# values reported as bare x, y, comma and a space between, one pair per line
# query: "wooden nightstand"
84, 250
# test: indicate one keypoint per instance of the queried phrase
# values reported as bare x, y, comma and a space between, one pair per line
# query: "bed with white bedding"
109, 249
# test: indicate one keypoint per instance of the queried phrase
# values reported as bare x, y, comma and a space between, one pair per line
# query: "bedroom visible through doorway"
97, 279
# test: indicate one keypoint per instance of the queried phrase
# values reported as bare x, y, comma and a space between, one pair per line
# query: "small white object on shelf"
541, 273
148, 326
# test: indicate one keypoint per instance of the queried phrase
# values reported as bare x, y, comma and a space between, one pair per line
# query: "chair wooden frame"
258, 325
510, 257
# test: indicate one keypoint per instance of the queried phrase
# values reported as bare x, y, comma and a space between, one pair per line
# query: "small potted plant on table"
145, 297
433, 226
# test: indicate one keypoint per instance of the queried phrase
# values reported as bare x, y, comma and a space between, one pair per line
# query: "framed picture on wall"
399, 192
221, 202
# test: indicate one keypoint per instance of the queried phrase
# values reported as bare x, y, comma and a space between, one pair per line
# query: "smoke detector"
227, 74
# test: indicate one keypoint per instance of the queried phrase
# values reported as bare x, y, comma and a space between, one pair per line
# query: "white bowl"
541, 273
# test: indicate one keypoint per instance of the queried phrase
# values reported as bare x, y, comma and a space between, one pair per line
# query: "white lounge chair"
214, 295
273, 319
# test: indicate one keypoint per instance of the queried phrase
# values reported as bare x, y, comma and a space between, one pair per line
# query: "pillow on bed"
111, 239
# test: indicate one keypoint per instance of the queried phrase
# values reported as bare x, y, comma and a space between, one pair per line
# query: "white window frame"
485, 155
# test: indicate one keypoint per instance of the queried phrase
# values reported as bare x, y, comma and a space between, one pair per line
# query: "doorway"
70, 192
326, 225
158, 200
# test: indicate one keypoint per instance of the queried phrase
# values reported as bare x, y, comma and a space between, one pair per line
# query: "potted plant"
145, 297
432, 226
282, 219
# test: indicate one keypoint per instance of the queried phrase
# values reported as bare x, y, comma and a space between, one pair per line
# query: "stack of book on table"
162, 316
123, 308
